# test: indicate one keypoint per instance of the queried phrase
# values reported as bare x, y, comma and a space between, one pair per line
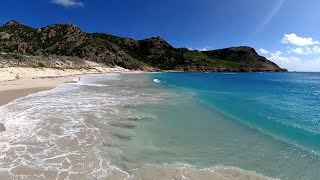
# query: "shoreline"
144, 172
13, 90
34, 80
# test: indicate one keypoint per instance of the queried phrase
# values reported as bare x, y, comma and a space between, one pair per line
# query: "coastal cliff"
67, 46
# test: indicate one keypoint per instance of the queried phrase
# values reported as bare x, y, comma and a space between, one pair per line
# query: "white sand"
14, 73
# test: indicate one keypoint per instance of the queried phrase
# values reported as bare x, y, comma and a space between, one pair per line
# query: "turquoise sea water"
285, 105
263, 122
159, 125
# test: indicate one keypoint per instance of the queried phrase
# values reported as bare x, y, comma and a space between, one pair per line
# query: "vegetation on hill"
67, 40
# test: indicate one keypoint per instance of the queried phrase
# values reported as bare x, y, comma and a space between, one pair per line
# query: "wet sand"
12, 90
33, 80
10, 95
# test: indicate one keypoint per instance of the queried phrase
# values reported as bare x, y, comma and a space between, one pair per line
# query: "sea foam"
55, 134
77, 130
156, 81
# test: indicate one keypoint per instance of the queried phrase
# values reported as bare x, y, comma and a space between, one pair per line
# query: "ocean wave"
94, 85
188, 172
156, 81
229, 73
60, 133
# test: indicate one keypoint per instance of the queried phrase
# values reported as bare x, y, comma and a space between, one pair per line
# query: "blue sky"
285, 31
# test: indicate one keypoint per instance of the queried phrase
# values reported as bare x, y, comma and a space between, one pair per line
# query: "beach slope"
17, 82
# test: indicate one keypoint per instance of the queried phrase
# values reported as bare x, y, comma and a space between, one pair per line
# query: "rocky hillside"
67, 41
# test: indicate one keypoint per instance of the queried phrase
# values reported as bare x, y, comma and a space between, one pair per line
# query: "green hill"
67, 40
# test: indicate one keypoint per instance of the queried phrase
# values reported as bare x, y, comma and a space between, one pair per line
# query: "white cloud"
305, 57
293, 63
68, 3
263, 51
306, 65
203, 49
277, 53
298, 41
306, 50
206, 48
316, 49
278, 58
297, 50
295, 59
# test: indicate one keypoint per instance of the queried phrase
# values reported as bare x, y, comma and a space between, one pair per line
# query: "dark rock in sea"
152, 54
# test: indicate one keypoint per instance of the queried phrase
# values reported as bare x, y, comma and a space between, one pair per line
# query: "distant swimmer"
79, 78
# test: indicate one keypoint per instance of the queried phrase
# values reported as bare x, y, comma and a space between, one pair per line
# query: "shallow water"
263, 122
119, 126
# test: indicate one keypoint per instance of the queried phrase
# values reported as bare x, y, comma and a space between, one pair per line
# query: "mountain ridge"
151, 54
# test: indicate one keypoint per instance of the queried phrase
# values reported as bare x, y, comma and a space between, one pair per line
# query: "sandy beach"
17, 82
57, 135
